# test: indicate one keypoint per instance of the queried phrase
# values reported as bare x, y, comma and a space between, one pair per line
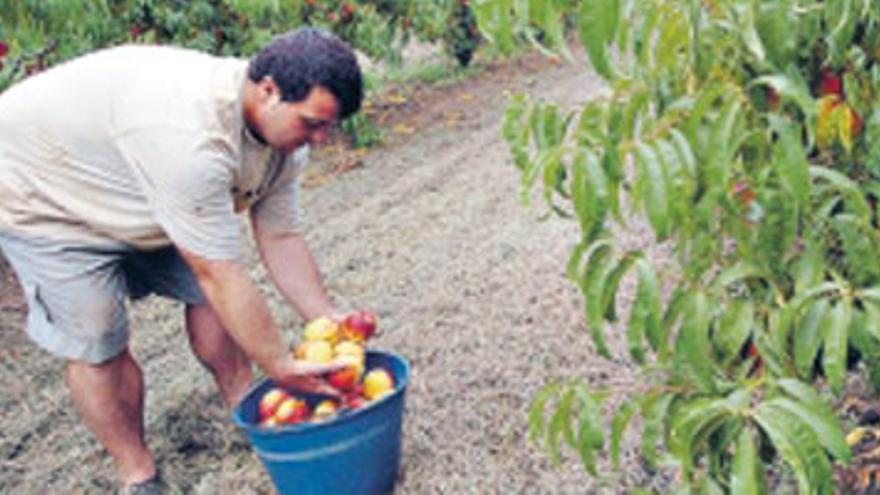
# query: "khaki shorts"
76, 294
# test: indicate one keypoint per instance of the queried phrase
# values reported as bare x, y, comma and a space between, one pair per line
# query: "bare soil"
427, 230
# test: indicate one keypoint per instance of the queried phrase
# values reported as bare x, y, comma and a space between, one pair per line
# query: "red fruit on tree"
857, 123
4, 49
830, 83
772, 98
347, 12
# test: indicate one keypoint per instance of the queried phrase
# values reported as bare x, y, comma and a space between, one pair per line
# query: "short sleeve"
278, 209
186, 180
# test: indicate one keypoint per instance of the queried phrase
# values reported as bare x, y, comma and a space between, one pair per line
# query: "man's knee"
208, 337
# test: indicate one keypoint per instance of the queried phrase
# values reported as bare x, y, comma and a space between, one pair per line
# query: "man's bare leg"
216, 350
109, 398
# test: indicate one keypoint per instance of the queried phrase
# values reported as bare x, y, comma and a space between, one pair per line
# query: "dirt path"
468, 284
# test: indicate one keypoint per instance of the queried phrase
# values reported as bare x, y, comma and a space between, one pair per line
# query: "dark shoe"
151, 486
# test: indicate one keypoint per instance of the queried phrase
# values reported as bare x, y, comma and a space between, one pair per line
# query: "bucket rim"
344, 417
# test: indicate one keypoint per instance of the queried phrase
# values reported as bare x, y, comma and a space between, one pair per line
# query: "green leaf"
537, 427
808, 337
612, 283
560, 424
546, 158
671, 316
695, 421
619, 422
653, 190
735, 328
809, 268
791, 162
777, 25
788, 430
747, 476
573, 267
835, 339
672, 41
749, 32
599, 267
860, 245
598, 22
816, 413
590, 436
849, 190
655, 412
776, 429
589, 192
735, 274
693, 349
645, 314
685, 152
794, 90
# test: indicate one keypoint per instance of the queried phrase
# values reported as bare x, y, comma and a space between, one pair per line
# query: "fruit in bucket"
346, 378
269, 422
292, 410
377, 383
359, 326
270, 401
353, 400
350, 348
325, 410
321, 328
314, 351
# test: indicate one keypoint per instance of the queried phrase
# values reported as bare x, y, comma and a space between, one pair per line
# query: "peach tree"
746, 134
37, 34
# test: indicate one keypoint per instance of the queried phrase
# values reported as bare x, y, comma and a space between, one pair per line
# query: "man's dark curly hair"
308, 57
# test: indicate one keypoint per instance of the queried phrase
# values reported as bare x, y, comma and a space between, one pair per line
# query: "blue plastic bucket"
356, 452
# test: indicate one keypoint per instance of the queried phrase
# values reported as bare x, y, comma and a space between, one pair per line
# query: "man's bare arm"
245, 315
294, 272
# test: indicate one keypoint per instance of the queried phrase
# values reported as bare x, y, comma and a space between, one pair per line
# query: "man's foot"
151, 486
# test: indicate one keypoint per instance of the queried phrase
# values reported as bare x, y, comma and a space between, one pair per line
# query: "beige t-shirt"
144, 146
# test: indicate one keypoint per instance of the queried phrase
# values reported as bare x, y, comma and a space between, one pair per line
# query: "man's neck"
249, 111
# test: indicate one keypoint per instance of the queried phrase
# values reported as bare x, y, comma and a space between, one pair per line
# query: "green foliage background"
40, 33
746, 134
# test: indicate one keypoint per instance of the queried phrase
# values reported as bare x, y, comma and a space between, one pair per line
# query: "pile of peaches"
325, 341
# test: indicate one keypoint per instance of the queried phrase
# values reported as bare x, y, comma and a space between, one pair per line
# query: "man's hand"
306, 377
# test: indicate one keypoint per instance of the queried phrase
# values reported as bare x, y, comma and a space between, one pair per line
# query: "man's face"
286, 126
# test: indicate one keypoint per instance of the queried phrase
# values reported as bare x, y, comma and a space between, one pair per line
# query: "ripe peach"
353, 401
349, 348
344, 379
325, 409
292, 410
322, 328
830, 83
378, 383
359, 326
356, 362
315, 351
270, 401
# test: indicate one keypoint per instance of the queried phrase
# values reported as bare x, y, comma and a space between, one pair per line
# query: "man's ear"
269, 90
